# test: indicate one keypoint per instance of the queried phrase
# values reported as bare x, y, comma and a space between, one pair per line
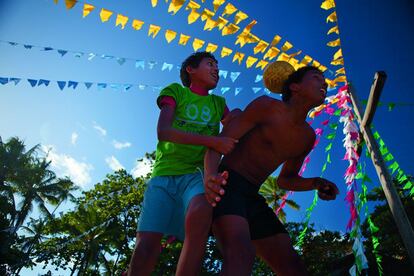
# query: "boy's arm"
289, 179
166, 132
240, 124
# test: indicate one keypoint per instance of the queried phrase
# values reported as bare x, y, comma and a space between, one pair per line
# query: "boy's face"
313, 87
205, 75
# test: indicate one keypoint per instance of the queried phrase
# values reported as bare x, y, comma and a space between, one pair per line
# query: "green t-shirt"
195, 114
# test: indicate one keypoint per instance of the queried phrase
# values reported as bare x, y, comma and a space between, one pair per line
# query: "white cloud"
142, 168
113, 163
120, 145
100, 129
74, 138
65, 165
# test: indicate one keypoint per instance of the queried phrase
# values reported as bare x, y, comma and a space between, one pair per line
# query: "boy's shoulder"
175, 86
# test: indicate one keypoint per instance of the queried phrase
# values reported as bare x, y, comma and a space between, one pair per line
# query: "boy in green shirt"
188, 124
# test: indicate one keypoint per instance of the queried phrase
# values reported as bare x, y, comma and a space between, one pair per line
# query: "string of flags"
223, 24
337, 59
66, 84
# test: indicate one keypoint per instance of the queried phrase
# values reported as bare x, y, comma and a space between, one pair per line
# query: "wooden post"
391, 194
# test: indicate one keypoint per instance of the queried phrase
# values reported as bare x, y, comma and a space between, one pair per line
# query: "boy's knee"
199, 211
147, 248
242, 251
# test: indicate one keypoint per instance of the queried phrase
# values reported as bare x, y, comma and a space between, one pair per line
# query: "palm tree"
273, 194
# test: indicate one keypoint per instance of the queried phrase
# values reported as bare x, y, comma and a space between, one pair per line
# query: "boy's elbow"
162, 134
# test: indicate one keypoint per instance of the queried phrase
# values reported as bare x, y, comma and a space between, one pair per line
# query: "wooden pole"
391, 194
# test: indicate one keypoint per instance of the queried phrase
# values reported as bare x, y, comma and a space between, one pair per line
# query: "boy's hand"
213, 187
223, 145
326, 189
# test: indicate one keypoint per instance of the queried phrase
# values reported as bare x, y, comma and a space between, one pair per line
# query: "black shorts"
242, 198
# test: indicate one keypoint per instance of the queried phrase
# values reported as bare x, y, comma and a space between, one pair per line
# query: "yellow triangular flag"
331, 83
217, 4
105, 15
286, 46
306, 60
334, 29
211, 48
221, 22
340, 71
121, 20
154, 3
334, 43
226, 52
137, 24
276, 40
183, 39
295, 63
328, 4
56, 1
210, 24
250, 61
323, 68
192, 5
316, 63
331, 17
260, 47
170, 35
262, 64
340, 79
153, 30
295, 54
197, 44
230, 29
239, 17
70, 3
338, 54
87, 8
206, 14
271, 53
175, 6
338, 62
283, 57
252, 38
242, 39
239, 57
229, 9
251, 24
193, 16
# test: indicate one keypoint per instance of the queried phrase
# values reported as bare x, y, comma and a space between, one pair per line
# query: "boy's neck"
198, 90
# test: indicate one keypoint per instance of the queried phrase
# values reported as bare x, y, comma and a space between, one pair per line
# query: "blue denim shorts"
166, 201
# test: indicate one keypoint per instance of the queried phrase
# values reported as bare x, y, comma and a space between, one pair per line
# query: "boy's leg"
197, 226
145, 255
233, 236
277, 251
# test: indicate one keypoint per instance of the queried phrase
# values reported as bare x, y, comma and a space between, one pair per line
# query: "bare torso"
268, 145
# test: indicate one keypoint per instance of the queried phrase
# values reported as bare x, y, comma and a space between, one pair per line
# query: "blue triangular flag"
72, 84
32, 82
62, 52
140, 64
223, 73
13, 43
224, 90
127, 87
114, 86
151, 64
156, 88
106, 57
266, 90
101, 86
141, 86
88, 85
234, 76
47, 49
237, 90
78, 54
258, 78
42, 81
166, 66
256, 89
61, 84
91, 56
120, 60
15, 80
28, 46
4, 80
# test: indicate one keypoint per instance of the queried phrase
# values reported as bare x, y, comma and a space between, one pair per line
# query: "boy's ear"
294, 87
189, 69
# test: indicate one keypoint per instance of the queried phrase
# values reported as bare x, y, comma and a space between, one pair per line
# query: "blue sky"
94, 131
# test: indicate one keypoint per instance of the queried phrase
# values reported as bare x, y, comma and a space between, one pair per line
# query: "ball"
276, 74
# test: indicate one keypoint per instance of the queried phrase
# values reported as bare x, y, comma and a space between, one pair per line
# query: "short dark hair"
295, 77
193, 61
